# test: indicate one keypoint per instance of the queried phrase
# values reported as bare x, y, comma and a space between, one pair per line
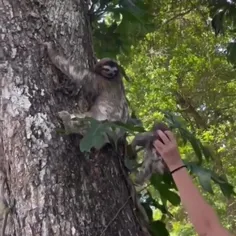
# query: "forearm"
200, 213
202, 216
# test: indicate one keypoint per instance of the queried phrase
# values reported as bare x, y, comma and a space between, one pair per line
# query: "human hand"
168, 149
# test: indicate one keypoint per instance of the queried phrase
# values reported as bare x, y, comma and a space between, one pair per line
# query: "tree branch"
177, 16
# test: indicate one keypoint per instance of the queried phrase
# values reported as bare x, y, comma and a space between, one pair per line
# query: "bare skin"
203, 217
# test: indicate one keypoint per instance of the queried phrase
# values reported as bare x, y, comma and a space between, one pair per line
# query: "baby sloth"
152, 161
102, 89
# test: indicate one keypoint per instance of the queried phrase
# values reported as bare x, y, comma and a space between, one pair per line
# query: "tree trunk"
57, 190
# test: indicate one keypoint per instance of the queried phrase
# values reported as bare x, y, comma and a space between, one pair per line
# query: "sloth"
102, 87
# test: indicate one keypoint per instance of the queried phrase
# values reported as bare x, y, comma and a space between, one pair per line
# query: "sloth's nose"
111, 74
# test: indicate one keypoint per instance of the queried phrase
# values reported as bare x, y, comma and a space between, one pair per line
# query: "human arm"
201, 214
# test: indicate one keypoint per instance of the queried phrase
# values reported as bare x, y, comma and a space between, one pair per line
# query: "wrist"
177, 164
178, 169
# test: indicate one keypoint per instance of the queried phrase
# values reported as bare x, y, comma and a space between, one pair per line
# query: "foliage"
181, 57
224, 19
115, 23
100, 133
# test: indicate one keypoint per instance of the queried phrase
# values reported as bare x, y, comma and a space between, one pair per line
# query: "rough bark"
57, 190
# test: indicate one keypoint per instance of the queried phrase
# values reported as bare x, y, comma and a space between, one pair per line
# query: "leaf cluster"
163, 189
179, 66
223, 15
116, 23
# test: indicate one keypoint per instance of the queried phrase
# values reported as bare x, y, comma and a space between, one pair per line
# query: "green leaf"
204, 177
206, 152
95, 137
159, 228
162, 208
168, 180
173, 120
205, 181
148, 210
217, 22
185, 140
164, 191
131, 165
231, 53
113, 138
102, 132
152, 202
173, 198
226, 188
195, 144
131, 8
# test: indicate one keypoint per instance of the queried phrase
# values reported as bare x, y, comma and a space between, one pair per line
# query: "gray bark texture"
56, 189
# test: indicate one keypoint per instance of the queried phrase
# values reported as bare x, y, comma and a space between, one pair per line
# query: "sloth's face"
107, 68
109, 71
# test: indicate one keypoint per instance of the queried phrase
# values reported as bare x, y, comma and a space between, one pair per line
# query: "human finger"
158, 145
163, 136
170, 135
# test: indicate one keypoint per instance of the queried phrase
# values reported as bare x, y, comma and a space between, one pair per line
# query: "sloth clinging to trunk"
102, 88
